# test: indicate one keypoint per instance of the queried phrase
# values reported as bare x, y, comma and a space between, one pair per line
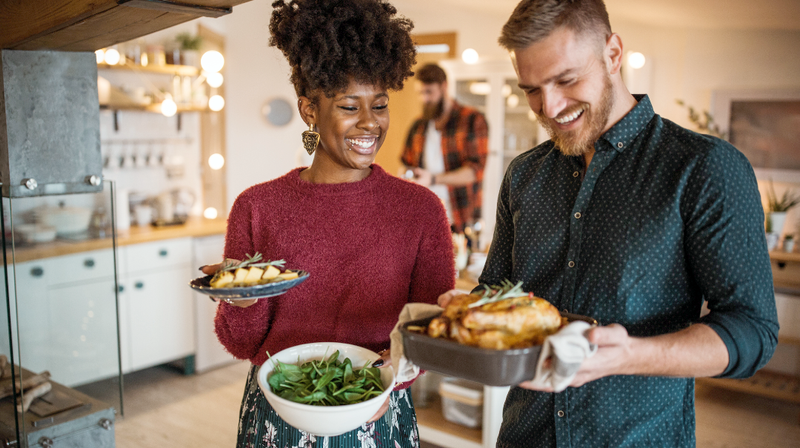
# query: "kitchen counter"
194, 227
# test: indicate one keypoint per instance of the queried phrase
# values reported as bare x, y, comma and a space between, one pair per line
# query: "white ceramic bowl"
325, 420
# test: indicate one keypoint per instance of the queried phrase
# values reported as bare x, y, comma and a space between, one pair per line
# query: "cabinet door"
160, 317
28, 289
82, 341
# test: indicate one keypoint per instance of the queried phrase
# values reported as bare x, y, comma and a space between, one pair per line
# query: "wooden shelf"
169, 69
763, 383
435, 429
155, 108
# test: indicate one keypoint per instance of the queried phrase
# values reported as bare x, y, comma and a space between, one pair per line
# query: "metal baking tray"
482, 365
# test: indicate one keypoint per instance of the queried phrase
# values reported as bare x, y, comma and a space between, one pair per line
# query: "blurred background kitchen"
193, 114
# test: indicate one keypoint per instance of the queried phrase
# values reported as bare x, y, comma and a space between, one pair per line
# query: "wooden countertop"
194, 227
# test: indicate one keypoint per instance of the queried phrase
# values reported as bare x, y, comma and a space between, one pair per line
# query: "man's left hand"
422, 177
613, 351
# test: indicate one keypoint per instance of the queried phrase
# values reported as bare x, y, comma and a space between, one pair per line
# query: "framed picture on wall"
765, 126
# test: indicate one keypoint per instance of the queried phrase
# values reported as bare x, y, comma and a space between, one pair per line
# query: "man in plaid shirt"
446, 148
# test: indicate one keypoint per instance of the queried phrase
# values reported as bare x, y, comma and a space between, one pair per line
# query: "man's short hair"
431, 74
534, 20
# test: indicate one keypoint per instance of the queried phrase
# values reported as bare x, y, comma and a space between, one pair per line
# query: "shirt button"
620, 145
576, 174
560, 413
571, 264
578, 215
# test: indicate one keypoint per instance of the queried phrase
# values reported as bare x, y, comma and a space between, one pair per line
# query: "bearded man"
446, 148
628, 218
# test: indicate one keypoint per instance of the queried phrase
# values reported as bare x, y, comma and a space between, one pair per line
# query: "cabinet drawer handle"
37, 271
121, 288
163, 252
89, 262
139, 285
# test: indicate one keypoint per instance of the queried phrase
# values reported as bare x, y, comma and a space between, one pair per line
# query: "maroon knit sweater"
370, 247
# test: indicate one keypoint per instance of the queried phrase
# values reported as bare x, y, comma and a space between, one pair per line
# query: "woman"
370, 241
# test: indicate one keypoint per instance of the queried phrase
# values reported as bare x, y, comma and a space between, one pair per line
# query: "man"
628, 218
446, 148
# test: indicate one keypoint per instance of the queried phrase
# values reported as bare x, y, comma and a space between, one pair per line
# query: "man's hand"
211, 269
422, 177
611, 358
447, 297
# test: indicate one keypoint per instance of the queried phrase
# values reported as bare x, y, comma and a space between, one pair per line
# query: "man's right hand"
447, 297
211, 269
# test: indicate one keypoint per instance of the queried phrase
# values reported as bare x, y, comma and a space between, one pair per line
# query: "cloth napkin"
567, 348
404, 370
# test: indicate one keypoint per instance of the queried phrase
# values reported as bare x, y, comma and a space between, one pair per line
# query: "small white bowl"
325, 420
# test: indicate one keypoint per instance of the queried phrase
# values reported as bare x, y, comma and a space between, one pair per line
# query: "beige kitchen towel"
403, 368
568, 349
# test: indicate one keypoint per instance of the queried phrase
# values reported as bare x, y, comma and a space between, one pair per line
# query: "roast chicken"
503, 318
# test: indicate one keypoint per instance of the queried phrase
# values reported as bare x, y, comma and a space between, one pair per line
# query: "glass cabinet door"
60, 309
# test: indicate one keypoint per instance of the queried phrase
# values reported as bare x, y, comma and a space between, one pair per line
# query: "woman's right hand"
211, 269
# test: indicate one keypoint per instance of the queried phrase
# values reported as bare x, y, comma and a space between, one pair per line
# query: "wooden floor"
164, 408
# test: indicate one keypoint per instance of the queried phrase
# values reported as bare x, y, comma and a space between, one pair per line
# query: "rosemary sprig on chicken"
251, 271
504, 317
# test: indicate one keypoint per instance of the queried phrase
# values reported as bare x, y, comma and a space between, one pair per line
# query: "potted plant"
777, 208
190, 48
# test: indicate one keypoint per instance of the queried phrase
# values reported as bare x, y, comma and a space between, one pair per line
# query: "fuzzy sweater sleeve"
434, 269
241, 330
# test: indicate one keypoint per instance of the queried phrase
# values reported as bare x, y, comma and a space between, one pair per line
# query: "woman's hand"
211, 269
384, 361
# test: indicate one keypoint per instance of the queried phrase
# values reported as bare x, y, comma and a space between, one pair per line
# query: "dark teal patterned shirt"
663, 220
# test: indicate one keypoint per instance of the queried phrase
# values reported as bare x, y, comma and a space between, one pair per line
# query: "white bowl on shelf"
35, 233
66, 220
325, 420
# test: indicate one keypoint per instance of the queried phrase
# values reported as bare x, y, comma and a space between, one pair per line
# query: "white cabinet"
210, 353
156, 304
67, 316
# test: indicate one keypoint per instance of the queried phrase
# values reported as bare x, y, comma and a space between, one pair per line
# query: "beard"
579, 141
433, 111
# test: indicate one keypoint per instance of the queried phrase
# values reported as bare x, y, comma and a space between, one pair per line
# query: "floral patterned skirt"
260, 426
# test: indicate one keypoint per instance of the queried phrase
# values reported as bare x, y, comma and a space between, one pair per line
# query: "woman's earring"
310, 139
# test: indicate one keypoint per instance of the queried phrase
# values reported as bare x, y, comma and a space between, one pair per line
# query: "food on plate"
251, 271
503, 317
325, 382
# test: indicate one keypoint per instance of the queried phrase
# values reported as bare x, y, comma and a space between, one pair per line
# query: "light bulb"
212, 61
636, 60
216, 161
506, 90
480, 88
469, 56
100, 55
216, 103
168, 106
111, 57
210, 213
512, 101
214, 79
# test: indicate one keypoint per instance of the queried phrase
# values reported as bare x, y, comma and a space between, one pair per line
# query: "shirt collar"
622, 134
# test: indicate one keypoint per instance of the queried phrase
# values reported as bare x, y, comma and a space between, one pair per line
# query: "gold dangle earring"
310, 139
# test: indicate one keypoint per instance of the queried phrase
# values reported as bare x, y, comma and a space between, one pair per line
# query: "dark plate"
201, 284
486, 366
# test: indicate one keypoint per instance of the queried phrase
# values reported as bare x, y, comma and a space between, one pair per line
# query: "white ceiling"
711, 14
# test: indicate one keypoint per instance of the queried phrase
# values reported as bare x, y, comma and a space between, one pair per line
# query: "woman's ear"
307, 109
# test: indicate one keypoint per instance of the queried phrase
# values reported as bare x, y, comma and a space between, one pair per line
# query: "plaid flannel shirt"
464, 143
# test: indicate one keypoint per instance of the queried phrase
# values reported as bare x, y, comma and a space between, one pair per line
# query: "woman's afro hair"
330, 42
